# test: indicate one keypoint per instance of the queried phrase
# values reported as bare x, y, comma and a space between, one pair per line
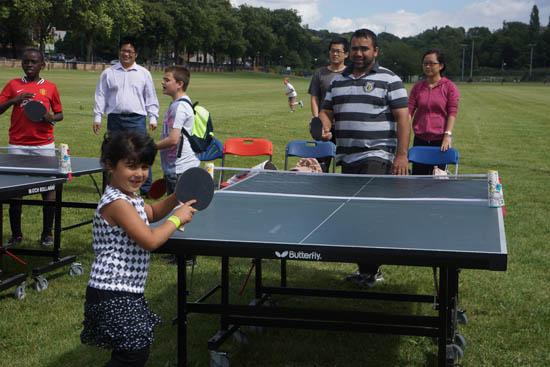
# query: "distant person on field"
28, 137
179, 116
320, 82
433, 105
126, 94
368, 103
292, 95
116, 313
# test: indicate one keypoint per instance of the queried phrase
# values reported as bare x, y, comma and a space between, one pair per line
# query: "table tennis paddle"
316, 128
34, 110
195, 184
157, 189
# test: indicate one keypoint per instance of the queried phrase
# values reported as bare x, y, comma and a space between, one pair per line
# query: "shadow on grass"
272, 346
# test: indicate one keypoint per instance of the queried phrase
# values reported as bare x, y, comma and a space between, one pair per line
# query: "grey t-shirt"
320, 82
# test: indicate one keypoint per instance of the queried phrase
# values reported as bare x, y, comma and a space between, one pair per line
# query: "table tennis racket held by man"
316, 128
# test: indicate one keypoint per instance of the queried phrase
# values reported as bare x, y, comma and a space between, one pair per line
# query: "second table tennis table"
440, 223
24, 175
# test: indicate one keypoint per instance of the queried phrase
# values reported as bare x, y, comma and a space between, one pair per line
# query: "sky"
404, 18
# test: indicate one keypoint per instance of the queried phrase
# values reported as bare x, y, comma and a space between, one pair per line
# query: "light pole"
463, 50
472, 61
531, 62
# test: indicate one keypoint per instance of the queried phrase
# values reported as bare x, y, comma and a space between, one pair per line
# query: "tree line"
171, 30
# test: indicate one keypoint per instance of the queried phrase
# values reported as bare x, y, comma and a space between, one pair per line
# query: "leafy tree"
95, 20
269, 36
397, 56
89, 19
157, 30
127, 18
13, 31
180, 10
515, 48
544, 48
285, 24
534, 24
259, 36
195, 26
230, 40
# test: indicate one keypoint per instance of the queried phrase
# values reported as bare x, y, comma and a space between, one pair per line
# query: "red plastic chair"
247, 148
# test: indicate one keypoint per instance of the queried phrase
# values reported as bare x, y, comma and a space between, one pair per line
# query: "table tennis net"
356, 187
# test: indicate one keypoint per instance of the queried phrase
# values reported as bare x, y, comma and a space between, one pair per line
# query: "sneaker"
14, 241
46, 240
365, 280
291, 110
301, 104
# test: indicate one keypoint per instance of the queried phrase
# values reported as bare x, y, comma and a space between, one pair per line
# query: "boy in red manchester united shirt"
28, 137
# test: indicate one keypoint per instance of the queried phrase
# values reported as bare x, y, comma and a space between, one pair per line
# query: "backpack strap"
183, 131
189, 102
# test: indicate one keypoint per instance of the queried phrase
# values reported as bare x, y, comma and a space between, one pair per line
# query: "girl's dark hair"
440, 57
134, 146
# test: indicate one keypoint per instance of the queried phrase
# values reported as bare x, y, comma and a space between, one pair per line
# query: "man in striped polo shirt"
370, 108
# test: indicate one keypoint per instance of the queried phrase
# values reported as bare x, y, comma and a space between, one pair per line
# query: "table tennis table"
23, 175
445, 224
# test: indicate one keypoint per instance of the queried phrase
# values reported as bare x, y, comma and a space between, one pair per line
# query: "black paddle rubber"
195, 184
35, 110
316, 128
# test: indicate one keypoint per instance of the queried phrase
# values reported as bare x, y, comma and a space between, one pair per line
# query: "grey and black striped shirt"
362, 107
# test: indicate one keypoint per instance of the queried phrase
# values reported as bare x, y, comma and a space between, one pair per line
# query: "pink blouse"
430, 108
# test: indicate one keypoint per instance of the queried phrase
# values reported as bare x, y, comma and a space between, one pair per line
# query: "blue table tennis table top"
36, 165
20, 172
333, 217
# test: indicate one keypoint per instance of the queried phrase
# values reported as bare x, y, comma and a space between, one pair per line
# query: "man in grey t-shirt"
320, 82
338, 52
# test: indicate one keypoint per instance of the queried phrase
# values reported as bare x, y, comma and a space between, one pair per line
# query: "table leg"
443, 316
182, 311
57, 222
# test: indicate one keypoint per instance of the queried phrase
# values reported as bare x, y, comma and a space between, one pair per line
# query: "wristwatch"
448, 132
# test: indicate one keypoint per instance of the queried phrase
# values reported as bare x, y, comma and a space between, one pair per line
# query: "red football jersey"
22, 130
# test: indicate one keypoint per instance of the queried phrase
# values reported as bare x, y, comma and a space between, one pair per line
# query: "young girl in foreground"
116, 314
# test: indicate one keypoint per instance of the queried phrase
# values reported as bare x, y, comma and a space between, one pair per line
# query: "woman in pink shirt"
433, 104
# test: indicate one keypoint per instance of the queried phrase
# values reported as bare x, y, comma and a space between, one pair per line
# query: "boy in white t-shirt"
179, 116
292, 95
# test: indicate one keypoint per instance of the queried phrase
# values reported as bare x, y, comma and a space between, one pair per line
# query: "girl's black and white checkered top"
120, 264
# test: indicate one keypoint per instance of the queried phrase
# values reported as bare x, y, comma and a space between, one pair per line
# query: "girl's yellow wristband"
174, 220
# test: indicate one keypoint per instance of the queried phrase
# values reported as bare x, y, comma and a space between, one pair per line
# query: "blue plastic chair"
434, 156
213, 152
310, 149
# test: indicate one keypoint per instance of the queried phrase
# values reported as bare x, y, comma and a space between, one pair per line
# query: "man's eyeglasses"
337, 52
127, 52
430, 64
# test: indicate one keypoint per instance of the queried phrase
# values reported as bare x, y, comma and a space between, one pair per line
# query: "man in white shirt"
126, 93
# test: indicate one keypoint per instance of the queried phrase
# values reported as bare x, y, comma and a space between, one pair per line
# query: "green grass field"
502, 127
